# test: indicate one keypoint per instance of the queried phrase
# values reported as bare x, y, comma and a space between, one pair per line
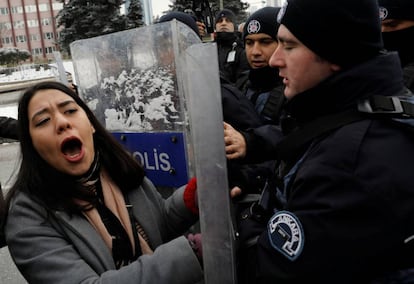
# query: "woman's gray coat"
53, 247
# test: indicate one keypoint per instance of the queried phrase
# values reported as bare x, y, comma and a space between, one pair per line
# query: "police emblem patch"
286, 234
383, 13
253, 27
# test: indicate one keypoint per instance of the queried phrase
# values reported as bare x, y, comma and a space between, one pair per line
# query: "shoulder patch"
286, 234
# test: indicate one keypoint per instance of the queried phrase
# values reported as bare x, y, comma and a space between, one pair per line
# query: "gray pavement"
9, 157
9, 163
8, 271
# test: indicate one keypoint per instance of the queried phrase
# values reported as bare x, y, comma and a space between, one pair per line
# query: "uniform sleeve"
261, 141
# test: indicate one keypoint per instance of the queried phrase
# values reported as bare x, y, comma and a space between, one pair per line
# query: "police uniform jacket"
53, 247
349, 211
408, 72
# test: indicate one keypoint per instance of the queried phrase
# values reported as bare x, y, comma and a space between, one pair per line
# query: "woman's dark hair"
56, 189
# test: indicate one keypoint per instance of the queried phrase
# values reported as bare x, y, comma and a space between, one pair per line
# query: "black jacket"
226, 42
240, 113
8, 127
264, 88
408, 72
237, 109
349, 198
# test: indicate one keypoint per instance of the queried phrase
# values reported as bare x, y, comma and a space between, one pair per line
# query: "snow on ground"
9, 111
26, 73
29, 72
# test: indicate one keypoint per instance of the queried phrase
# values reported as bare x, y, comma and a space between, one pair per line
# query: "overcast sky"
159, 6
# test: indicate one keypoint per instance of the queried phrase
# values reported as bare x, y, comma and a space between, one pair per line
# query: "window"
57, 6
34, 37
43, 8
21, 38
17, 10
37, 51
48, 36
6, 40
50, 49
4, 11
30, 8
5, 26
46, 21
32, 23
18, 24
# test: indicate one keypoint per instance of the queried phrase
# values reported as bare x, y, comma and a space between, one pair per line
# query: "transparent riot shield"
206, 120
156, 88
130, 80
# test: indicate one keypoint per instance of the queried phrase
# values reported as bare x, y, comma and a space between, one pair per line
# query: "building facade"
30, 25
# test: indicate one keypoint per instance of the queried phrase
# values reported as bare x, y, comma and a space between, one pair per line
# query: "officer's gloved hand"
195, 243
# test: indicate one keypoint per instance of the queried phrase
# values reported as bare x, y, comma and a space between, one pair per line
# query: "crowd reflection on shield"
130, 79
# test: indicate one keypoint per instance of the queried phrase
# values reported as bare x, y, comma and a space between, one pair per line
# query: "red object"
190, 196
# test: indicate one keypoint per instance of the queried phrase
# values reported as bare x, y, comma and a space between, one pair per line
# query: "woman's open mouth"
72, 149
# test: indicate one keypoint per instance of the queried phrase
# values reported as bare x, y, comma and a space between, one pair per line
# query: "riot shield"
206, 120
157, 89
130, 80
61, 69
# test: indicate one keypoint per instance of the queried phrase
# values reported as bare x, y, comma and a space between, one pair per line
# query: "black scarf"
264, 79
400, 41
122, 251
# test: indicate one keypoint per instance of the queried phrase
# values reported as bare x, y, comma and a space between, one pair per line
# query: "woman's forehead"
47, 97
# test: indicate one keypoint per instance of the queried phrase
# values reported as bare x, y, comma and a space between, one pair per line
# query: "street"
9, 273
9, 156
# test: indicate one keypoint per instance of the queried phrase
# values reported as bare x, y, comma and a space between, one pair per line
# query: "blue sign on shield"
162, 154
